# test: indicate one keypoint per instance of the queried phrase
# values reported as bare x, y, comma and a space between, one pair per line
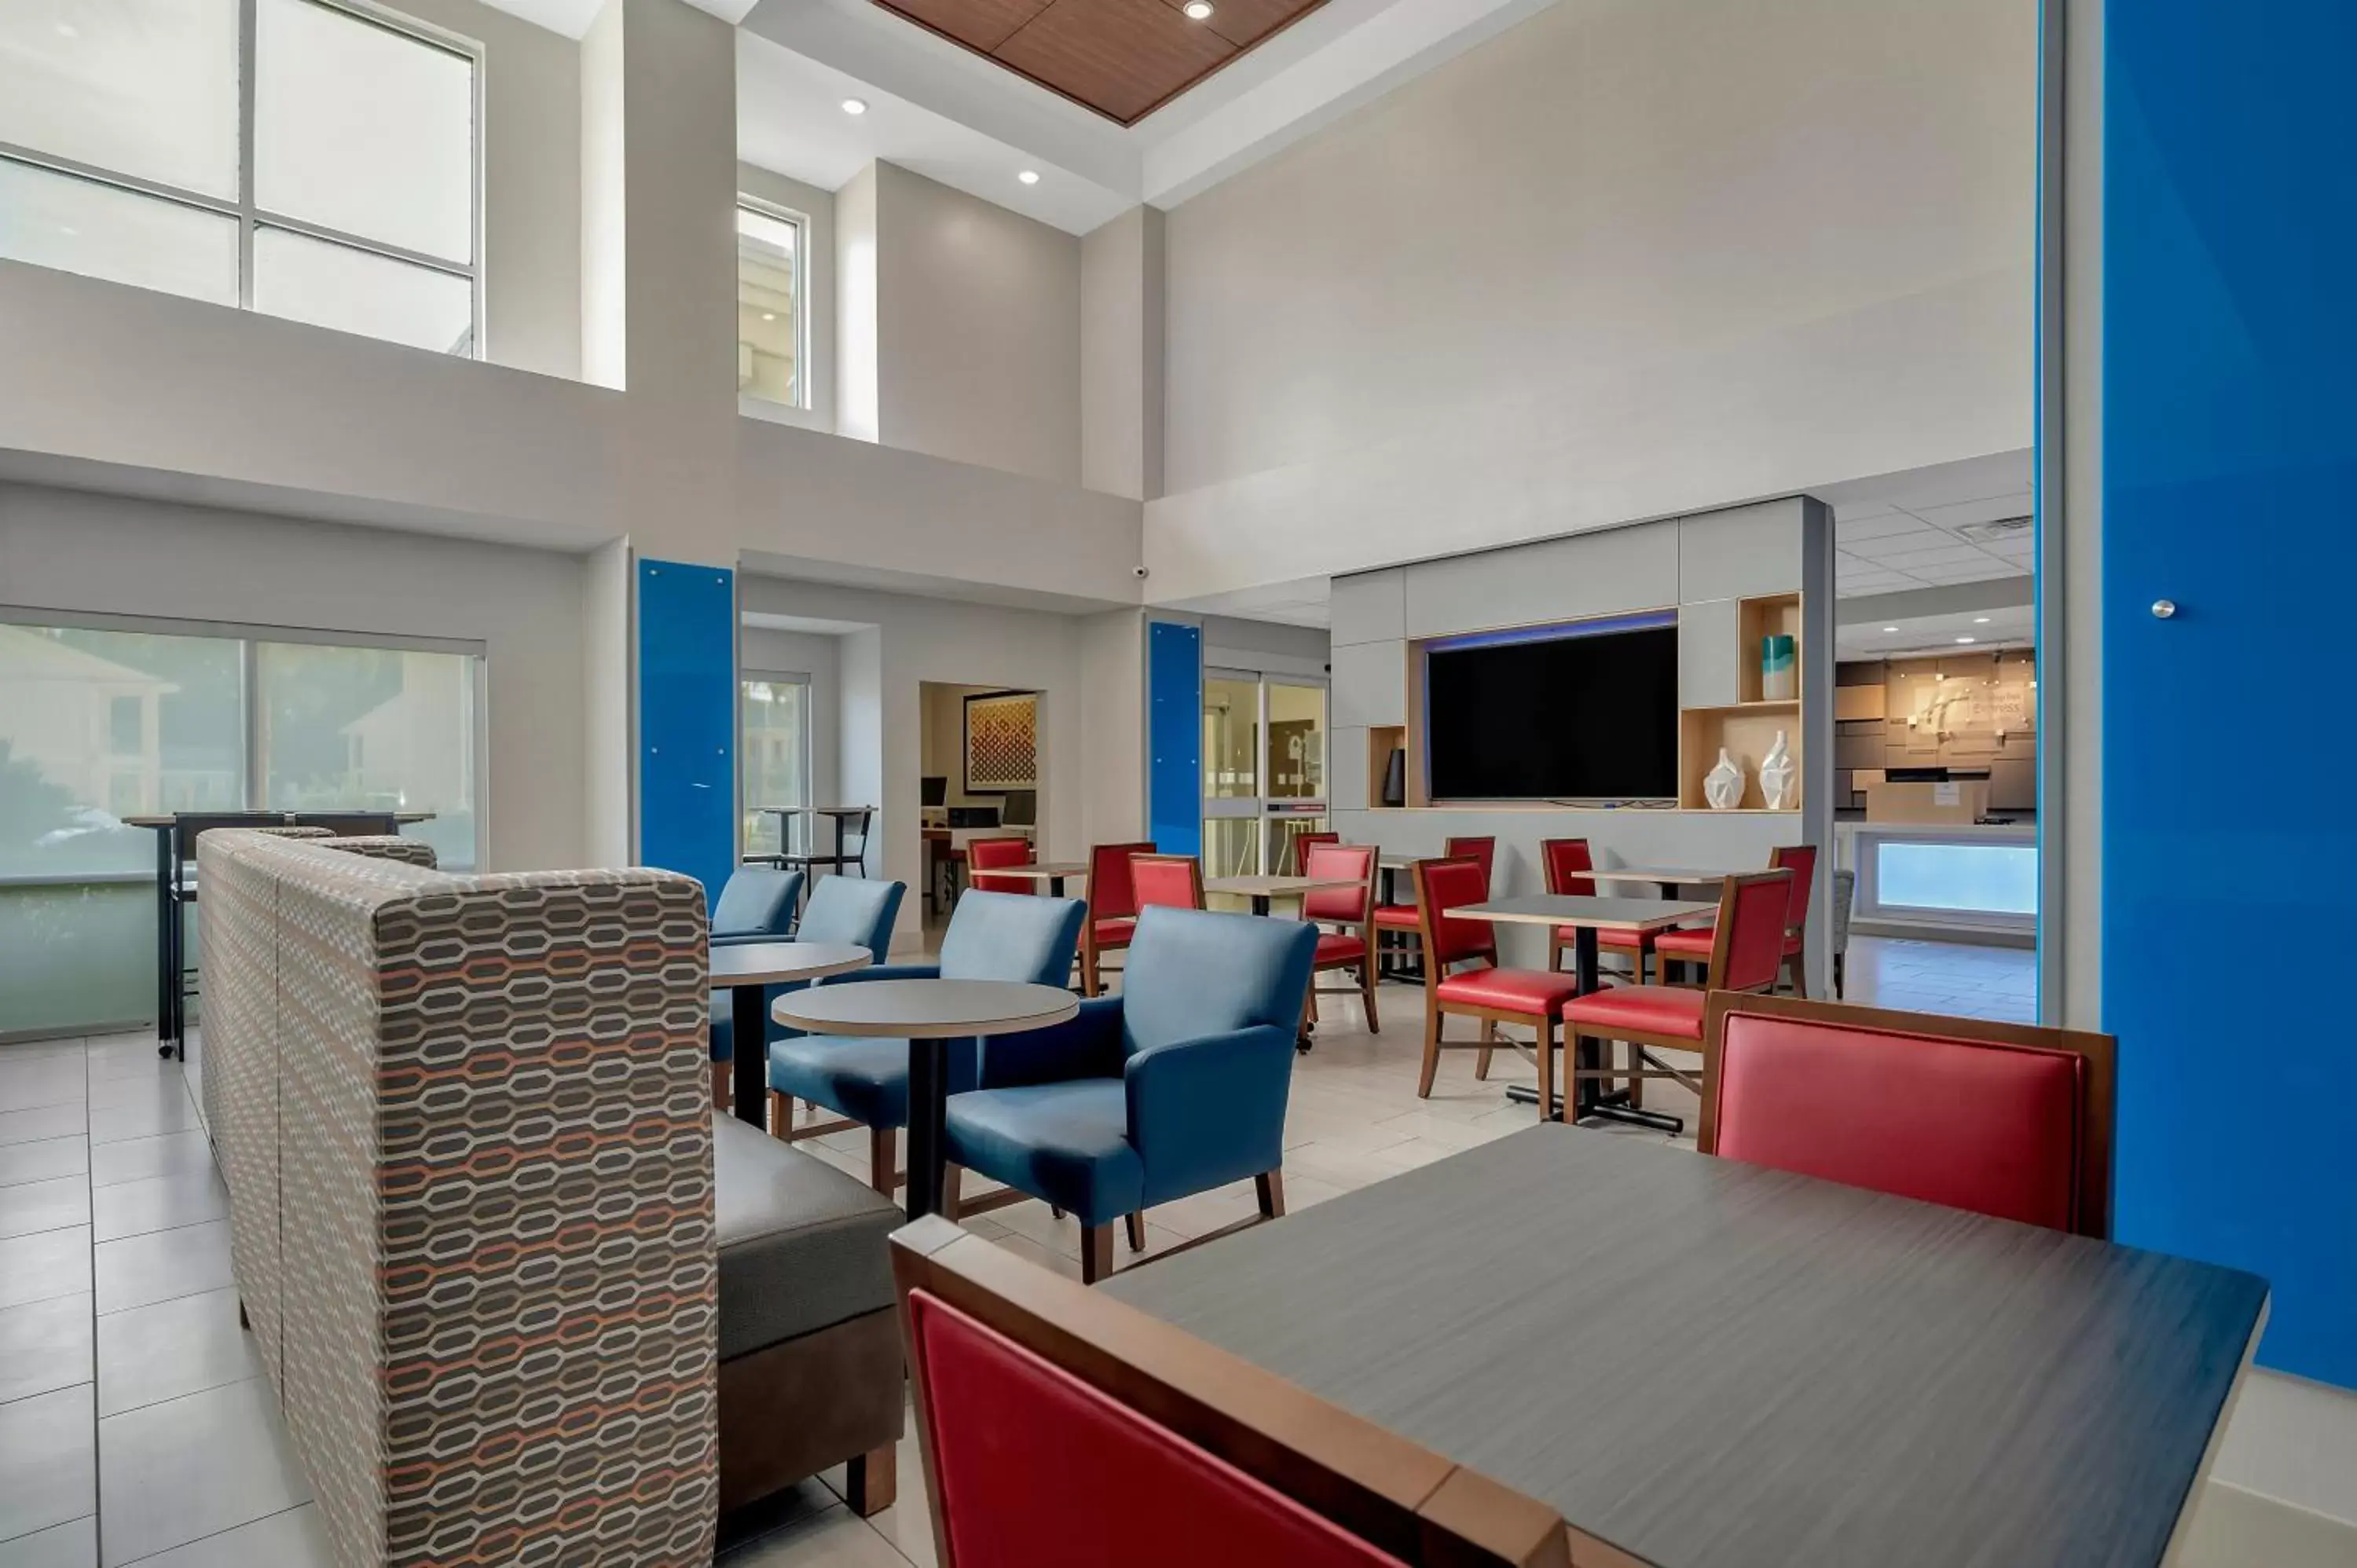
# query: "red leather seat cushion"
1338, 948
1115, 931
1398, 917
1674, 1010
1991, 1129
1037, 1469
1686, 943
1538, 992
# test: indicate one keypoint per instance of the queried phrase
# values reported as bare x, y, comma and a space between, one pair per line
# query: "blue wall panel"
687, 719
1174, 737
2230, 487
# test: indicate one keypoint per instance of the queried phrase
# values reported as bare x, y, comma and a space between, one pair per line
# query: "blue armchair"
1174, 1086
756, 906
841, 909
992, 936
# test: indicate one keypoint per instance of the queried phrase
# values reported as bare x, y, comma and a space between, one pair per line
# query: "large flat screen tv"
1565, 713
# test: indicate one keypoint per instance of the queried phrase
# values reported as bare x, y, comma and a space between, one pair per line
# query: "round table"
926, 1013
747, 970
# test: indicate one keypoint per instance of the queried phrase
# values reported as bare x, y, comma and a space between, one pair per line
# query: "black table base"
749, 1030
928, 1104
1589, 1100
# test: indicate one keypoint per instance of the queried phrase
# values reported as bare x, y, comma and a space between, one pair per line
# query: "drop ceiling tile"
1990, 509
1938, 554
1889, 548
1967, 572
1846, 533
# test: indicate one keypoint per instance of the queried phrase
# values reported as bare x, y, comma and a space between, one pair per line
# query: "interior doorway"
1264, 769
981, 776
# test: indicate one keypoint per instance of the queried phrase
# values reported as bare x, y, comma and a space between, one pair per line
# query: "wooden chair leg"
721, 1072
883, 1160
1431, 1051
1367, 990
1489, 1042
949, 1174
781, 1115
1309, 999
872, 1480
1271, 1189
1096, 1253
1090, 985
1546, 1069
1799, 964
1135, 1225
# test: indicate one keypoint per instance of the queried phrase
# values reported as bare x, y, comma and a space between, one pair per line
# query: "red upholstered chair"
2002, 1118
1062, 1428
1566, 862
1302, 843
981, 854
1692, 945
1486, 991
1746, 949
1113, 910
1400, 921
1173, 879
1352, 911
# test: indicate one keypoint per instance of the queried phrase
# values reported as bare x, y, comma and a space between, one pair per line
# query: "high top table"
748, 970
928, 1014
1706, 1364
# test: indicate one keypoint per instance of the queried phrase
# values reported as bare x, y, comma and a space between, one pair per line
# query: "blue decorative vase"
1779, 669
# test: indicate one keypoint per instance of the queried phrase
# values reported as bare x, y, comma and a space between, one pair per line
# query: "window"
776, 751
341, 190
102, 721
771, 344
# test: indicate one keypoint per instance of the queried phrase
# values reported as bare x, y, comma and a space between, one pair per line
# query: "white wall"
915, 640
817, 206
978, 330
1122, 304
60, 549
1625, 260
1113, 722
820, 658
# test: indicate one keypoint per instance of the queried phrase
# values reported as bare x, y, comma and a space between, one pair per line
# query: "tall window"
100, 723
771, 344
314, 159
776, 750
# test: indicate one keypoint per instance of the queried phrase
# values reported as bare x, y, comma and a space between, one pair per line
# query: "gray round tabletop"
926, 1009
774, 963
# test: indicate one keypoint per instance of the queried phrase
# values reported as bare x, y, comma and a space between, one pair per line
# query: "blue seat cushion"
1065, 1143
866, 1079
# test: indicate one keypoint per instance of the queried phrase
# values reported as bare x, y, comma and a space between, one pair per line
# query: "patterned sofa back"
463, 1124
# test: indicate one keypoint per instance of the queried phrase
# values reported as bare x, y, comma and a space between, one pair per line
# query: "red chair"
1747, 950
981, 854
1401, 922
2002, 1118
1113, 910
1351, 909
1692, 945
1493, 996
1298, 851
1062, 1428
1173, 879
1566, 862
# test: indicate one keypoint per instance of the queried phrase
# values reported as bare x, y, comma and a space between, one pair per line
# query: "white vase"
1778, 779
1723, 785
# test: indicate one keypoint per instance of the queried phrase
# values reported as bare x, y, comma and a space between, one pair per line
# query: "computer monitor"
1019, 809
933, 790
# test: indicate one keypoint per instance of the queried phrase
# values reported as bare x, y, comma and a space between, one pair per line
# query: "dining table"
1054, 873
746, 970
929, 1014
1264, 891
1701, 1363
1588, 916
1666, 880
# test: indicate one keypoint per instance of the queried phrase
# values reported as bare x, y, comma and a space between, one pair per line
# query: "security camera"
1138, 571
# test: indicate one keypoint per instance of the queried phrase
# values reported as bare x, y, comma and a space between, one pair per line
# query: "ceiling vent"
2003, 528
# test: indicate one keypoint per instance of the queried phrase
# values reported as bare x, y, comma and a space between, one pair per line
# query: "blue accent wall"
2230, 487
1174, 737
687, 719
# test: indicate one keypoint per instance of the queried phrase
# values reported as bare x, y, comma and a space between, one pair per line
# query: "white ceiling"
2006, 626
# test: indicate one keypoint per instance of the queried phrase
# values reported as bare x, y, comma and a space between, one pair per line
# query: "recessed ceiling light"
854, 106
1964, 640
1198, 10
769, 315
1980, 620
1891, 628
1030, 177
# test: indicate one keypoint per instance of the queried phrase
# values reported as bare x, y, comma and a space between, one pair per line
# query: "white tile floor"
134, 1425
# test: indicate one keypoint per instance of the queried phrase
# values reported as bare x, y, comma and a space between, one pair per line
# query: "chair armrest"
1206, 1112
745, 938
886, 971
1085, 1046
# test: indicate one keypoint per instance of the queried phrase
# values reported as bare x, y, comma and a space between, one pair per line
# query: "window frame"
802, 226
807, 763
252, 217
254, 784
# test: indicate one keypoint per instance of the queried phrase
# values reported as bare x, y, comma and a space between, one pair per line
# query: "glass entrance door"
1264, 770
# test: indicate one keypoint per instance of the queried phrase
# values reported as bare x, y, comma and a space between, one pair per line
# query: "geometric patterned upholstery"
463, 1124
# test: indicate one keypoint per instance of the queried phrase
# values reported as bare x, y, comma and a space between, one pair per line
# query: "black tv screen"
1568, 716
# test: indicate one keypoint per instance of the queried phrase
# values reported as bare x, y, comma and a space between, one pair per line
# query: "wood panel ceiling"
1124, 58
